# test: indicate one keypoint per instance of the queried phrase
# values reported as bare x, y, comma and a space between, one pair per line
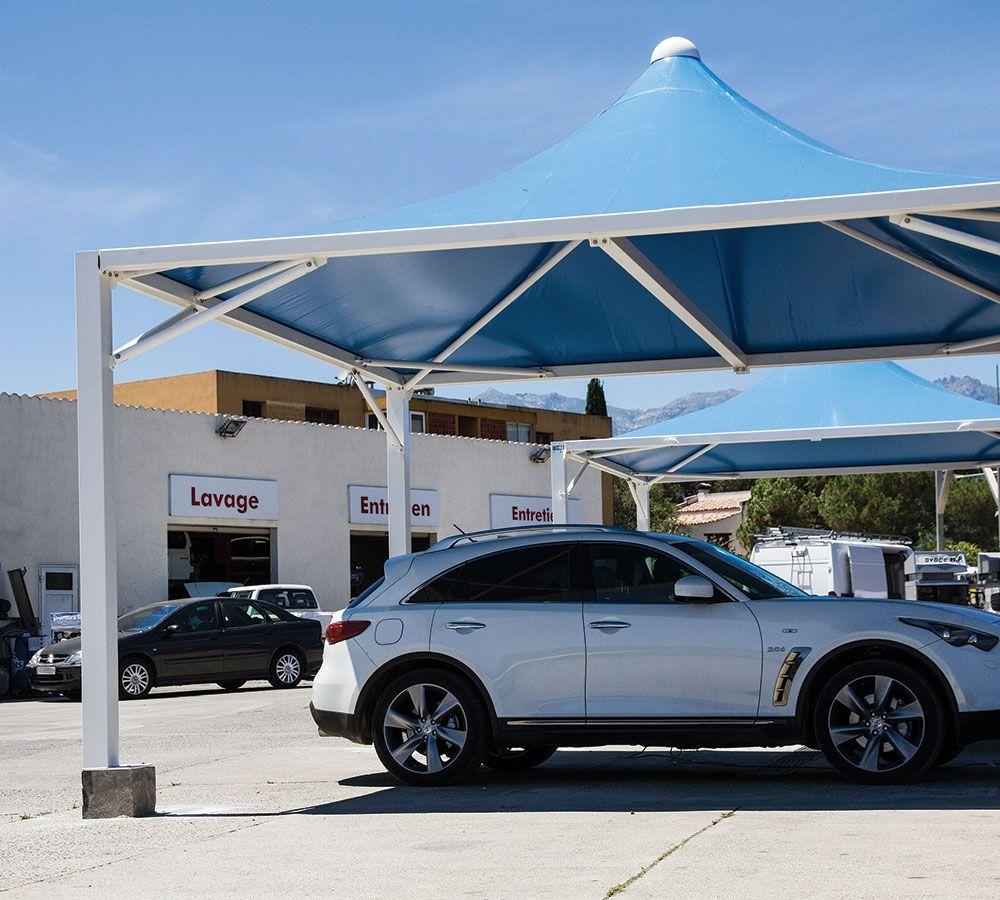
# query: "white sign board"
370, 506
507, 510
223, 498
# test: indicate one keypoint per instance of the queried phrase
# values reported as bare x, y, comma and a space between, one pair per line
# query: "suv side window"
626, 573
538, 574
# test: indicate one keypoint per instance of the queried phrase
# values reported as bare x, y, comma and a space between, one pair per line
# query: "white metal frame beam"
945, 233
178, 325
536, 275
163, 288
380, 416
914, 260
538, 231
642, 269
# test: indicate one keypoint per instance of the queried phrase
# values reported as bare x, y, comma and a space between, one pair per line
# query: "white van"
829, 563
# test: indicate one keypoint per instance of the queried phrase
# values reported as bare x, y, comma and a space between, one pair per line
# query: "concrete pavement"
252, 802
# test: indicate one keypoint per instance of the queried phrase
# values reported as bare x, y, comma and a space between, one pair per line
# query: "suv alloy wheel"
430, 728
880, 722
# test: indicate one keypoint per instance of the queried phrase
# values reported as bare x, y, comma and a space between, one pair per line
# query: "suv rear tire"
879, 721
430, 727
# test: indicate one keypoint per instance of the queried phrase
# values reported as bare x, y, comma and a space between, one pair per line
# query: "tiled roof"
703, 509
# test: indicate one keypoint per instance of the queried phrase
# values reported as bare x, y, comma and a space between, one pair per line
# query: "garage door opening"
206, 561
369, 553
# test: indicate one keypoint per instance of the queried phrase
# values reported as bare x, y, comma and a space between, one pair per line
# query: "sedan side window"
195, 618
631, 574
239, 613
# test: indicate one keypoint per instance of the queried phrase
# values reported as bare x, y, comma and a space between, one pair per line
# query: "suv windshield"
146, 616
752, 580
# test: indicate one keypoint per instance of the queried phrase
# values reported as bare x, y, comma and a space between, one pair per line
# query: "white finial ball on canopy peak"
674, 46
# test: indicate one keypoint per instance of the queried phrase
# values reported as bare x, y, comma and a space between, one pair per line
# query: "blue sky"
126, 123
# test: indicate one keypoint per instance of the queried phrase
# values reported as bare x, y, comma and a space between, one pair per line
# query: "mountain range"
623, 419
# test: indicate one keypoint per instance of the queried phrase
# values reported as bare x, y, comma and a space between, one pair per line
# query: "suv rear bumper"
335, 724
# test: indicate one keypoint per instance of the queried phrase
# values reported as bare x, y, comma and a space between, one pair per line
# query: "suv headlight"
956, 635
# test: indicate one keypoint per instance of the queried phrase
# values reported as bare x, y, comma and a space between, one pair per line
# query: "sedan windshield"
146, 616
752, 580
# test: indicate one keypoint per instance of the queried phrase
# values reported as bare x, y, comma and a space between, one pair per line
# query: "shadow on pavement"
665, 781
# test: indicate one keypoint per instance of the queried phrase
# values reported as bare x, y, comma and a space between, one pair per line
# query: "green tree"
662, 508
896, 503
596, 404
780, 501
971, 516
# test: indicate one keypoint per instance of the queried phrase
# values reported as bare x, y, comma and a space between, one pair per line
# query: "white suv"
498, 648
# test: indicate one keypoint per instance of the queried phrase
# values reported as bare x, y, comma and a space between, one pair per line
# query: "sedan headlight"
73, 659
956, 635
35, 659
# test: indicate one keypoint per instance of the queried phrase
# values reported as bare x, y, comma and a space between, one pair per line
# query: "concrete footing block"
122, 791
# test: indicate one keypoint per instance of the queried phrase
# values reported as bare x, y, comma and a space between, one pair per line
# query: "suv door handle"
610, 625
464, 626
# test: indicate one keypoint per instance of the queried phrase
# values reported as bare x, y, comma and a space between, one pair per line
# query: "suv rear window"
537, 574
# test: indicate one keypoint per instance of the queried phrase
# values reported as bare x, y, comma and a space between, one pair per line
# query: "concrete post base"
123, 791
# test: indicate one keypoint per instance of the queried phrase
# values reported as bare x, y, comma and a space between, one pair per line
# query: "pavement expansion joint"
623, 886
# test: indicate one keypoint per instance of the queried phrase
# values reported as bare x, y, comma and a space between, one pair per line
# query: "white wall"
313, 465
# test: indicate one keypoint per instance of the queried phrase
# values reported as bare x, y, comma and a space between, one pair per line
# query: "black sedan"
215, 640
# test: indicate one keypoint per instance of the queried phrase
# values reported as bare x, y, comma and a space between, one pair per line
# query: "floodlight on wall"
541, 455
230, 427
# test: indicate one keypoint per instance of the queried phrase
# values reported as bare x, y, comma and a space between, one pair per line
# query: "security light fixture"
230, 427
541, 455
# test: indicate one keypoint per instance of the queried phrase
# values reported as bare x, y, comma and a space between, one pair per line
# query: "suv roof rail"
519, 530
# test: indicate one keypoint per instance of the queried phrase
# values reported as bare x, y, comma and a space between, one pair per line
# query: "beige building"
292, 400
715, 517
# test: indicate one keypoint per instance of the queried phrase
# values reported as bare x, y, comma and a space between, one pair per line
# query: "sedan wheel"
136, 680
286, 670
430, 728
880, 722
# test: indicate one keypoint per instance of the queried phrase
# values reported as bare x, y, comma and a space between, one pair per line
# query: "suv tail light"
342, 631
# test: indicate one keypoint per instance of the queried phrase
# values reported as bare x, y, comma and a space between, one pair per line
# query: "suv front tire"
879, 721
430, 727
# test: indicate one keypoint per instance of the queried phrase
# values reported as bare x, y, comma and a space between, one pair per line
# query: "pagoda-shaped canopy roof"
812, 420
683, 228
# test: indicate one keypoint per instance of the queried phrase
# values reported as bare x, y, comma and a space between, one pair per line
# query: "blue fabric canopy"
723, 199
813, 420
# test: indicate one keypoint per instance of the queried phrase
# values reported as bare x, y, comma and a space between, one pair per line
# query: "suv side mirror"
695, 588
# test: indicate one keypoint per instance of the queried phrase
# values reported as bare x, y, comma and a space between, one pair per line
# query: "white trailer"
827, 563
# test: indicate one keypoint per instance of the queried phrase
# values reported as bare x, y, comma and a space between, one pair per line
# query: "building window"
416, 422
518, 432
322, 416
253, 409
543, 437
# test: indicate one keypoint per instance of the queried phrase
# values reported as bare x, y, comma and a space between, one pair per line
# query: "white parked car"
501, 648
298, 599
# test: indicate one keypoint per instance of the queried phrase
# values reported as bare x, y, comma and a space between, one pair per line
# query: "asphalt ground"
251, 803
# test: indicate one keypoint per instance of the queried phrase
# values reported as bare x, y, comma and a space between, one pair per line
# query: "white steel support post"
942, 485
397, 448
641, 495
98, 539
557, 469
109, 790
